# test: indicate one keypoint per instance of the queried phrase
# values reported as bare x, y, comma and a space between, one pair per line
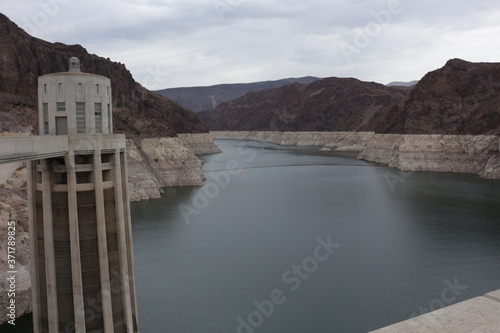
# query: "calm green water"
295, 240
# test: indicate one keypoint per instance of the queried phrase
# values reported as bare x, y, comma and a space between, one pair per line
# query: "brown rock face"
137, 111
460, 98
331, 104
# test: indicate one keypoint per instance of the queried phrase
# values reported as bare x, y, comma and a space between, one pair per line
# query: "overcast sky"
174, 43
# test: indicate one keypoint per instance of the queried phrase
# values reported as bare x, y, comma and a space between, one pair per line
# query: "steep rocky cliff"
460, 98
158, 162
136, 110
333, 104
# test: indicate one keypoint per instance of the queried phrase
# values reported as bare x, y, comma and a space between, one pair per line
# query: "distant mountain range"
460, 98
402, 84
209, 97
332, 104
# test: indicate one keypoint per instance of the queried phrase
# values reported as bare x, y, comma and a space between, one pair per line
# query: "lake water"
291, 239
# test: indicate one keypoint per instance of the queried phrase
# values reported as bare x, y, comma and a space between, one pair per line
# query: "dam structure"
79, 212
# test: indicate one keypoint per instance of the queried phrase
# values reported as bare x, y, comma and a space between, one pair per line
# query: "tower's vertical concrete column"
103, 245
33, 246
122, 238
49, 250
74, 235
128, 233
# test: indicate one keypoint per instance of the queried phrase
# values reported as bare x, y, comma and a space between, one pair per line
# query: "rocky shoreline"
14, 207
153, 163
478, 154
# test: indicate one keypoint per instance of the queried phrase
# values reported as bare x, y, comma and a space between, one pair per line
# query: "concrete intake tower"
80, 231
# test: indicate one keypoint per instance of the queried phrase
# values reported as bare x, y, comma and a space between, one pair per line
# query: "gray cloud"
169, 43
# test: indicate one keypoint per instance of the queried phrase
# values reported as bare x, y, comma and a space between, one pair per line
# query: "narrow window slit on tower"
46, 118
98, 118
80, 118
110, 123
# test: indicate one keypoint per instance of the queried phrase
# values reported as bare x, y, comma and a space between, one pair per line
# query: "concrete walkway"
26, 148
477, 315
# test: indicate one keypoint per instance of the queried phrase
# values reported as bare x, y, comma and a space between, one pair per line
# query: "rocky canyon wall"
199, 143
154, 163
478, 154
